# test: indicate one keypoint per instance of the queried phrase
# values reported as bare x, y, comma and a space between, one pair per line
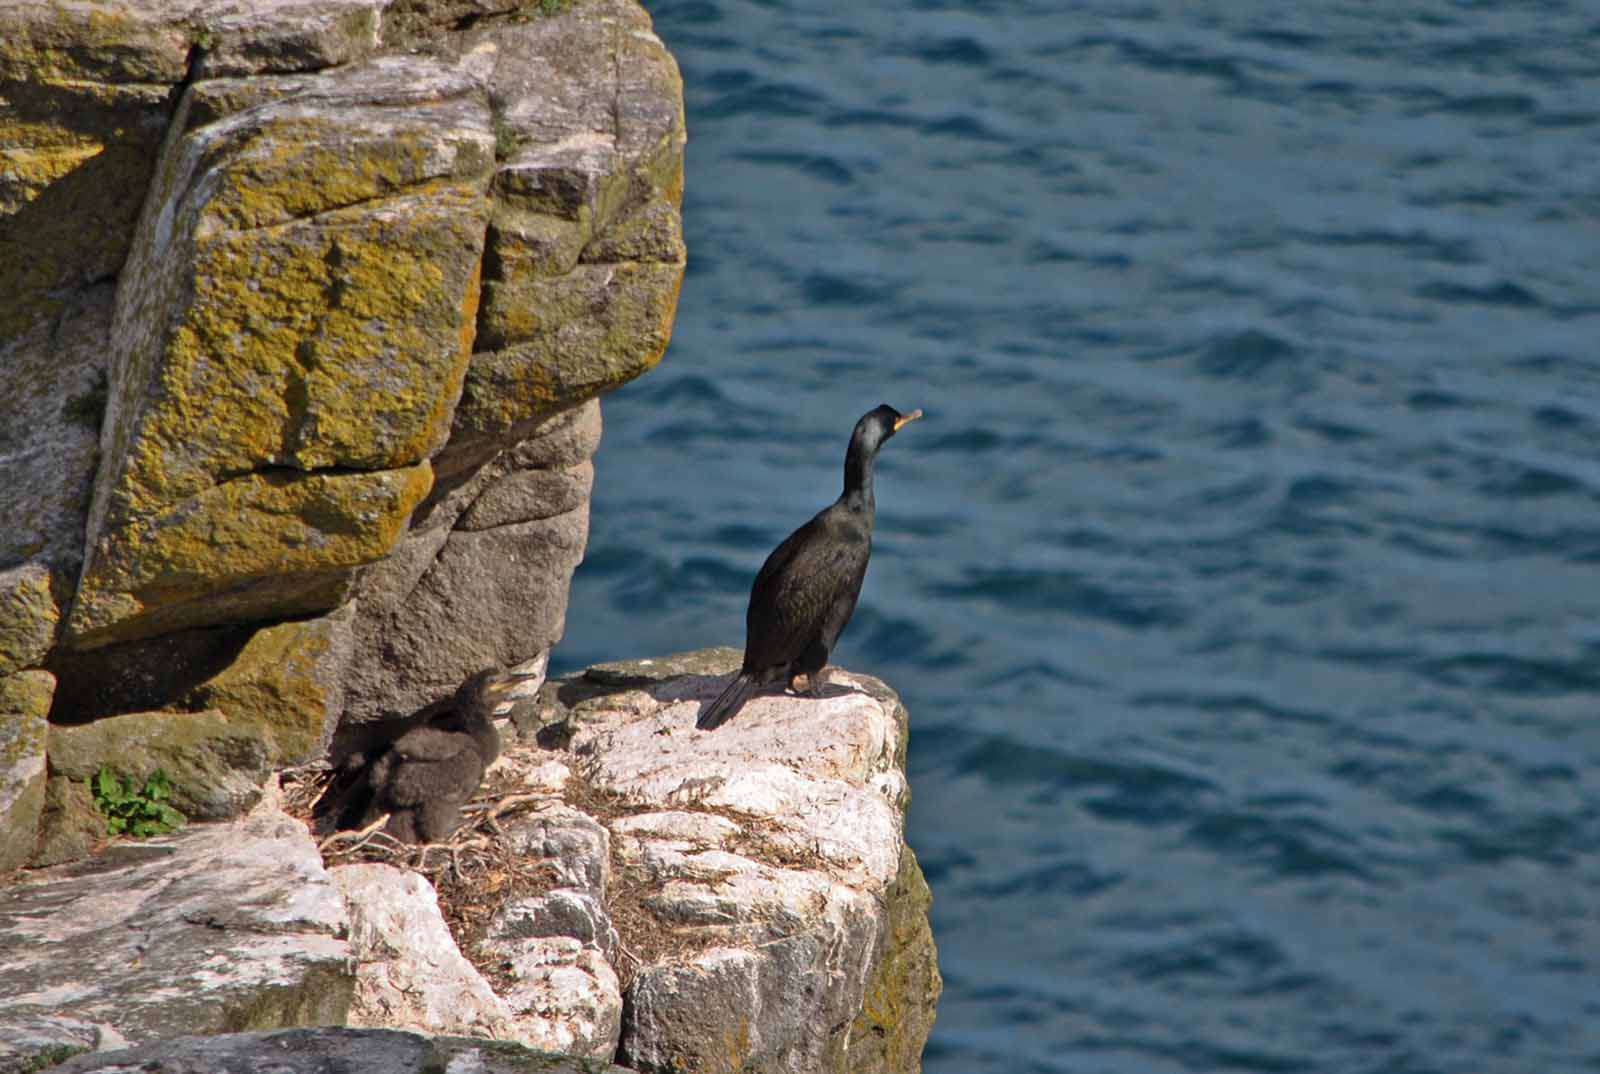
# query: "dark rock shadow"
140, 676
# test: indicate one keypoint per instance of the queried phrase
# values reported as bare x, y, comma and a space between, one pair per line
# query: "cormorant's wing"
431, 764
345, 800
431, 744
813, 576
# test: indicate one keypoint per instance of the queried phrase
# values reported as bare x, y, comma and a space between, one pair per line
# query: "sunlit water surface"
1244, 579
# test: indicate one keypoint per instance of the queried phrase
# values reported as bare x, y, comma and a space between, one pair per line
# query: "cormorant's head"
880, 424
492, 688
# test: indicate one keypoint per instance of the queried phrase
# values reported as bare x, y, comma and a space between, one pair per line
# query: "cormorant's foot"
808, 683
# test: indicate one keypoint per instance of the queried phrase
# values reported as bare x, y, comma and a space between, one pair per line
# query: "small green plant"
50, 1056
140, 812
505, 139
553, 7
89, 408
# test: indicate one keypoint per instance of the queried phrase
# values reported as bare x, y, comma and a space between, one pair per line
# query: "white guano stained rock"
564, 994
823, 772
214, 928
411, 975
760, 858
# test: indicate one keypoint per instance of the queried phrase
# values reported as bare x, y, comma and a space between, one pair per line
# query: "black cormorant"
423, 777
806, 590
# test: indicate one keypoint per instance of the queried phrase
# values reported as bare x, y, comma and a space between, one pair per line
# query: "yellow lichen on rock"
110, 41
288, 680
317, 344
299, 302
24, 703
28, 616
568, 339
304, 162
260, 546
75, 158
294, 312
34, 155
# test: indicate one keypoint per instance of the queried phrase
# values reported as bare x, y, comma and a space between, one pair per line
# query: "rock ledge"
627, 889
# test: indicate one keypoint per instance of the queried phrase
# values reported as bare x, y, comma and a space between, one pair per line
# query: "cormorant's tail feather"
727, 703
344, 800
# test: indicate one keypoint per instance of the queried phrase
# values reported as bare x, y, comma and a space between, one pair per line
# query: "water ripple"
1287, 846
1241, 580
1070, 593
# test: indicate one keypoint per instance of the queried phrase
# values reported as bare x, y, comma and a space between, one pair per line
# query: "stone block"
292, 327
52, 398
24, 706
216, 928
289, 680
216, 765
259, 546
410, 974
28, 616
474, 585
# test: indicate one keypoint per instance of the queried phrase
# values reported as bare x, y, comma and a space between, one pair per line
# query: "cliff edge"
627, 889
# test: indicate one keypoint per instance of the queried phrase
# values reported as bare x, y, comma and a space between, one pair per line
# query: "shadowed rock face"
482, 574
24, 703
303, 314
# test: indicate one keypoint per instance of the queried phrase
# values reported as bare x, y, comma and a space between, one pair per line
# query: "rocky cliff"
627, 888
304, 310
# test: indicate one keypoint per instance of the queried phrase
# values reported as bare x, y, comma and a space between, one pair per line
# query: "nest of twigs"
473, 872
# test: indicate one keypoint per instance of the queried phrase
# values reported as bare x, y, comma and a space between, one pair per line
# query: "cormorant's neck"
858, 477
481, 728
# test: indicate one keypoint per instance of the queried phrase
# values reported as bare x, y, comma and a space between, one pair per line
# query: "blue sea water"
1243, 581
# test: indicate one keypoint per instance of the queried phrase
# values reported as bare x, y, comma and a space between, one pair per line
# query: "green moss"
505, 139
88, 409
51, 1055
